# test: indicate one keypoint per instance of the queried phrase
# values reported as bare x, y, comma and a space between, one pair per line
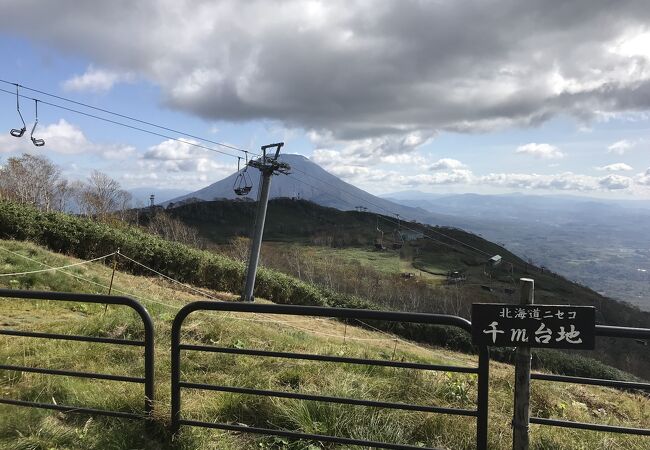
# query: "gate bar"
102, 300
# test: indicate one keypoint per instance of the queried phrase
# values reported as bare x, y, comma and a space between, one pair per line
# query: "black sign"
546, 326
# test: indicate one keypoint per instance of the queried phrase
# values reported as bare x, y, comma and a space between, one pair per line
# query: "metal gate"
482, 370
147, 343
603, 331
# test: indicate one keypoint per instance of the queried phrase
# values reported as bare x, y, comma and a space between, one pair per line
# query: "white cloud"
398, 149
615, 182
447, 164
542, 151
96, 80
616, 167
566, 181
174, 156
620, 147
400, 67
60, 137
439, 178
644, 178
171, 149
65, 138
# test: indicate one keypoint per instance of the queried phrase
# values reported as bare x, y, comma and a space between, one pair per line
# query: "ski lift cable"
387, 210
124, 116
399, 223
377, 215
386, 219
93, 116
18, 95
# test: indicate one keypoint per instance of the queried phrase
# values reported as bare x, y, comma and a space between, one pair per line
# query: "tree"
33, 180
173, 229
102, 195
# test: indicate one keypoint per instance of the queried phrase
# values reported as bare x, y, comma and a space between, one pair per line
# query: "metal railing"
603, 331
147, 343
482, 370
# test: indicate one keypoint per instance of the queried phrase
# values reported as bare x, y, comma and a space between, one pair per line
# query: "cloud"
386, 180
64, 138
440, 178
542, 151
615, 182
620, 147
447, 164
181, 156
368, 151
359, 69
96, 80
61, 137
566, 181
616, 167
171, 149
644, 178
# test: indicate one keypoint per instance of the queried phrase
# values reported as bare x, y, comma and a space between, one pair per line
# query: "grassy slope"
23, 428
87, 239
302, 222
352, 233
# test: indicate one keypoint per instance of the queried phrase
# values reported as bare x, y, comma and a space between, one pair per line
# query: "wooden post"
110, 286
521, 418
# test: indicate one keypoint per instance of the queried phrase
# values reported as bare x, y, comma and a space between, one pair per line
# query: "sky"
488, 96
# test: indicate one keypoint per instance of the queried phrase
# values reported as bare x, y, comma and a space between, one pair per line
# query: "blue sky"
364, 104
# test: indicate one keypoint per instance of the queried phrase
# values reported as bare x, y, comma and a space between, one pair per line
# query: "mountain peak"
308, 181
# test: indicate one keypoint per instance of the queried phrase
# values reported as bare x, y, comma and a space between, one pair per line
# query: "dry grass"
23, 428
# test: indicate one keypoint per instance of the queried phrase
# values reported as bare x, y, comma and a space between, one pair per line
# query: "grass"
27, 428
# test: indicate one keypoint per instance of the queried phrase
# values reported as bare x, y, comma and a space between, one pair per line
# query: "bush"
85, 238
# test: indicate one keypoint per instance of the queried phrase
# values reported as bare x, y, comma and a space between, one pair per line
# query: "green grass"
342, 286
26, 428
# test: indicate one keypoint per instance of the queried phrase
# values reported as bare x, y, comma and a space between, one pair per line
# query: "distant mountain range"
604, 244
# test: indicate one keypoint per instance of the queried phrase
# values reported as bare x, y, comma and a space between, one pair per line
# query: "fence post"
521, 418
482, 400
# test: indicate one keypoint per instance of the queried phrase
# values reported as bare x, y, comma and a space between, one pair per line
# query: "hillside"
309, 227
22, 428
366, 288
602, 243
292, 221
595, 242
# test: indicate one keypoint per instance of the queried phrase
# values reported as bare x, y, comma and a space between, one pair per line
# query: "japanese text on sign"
549, 326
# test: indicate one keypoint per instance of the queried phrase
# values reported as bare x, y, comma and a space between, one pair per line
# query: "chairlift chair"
16, 132
243, 183
399, 241
36, 142
379, 241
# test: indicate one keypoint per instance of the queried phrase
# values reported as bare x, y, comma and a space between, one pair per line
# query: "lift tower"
268, 166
